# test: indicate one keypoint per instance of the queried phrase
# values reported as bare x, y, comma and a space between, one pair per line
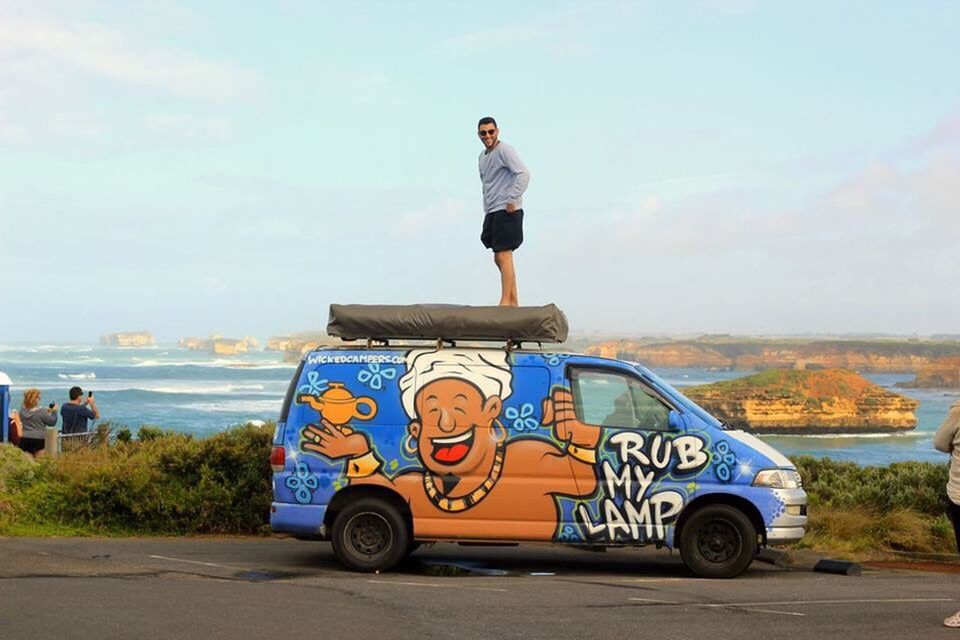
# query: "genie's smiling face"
454, 432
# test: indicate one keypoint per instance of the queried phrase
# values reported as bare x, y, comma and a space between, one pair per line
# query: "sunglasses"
486, 132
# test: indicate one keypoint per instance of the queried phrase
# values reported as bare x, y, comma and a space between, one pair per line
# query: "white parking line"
654, 600
659, 580
205, 564
800, 602
434, 585
785, 613
753, 606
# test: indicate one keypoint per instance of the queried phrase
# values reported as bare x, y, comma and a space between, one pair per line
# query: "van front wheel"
370, 534
718, 541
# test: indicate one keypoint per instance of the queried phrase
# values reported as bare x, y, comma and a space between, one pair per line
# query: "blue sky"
717, 166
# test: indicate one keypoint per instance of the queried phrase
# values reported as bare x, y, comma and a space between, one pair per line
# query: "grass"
165, 483
162, 483
864, 533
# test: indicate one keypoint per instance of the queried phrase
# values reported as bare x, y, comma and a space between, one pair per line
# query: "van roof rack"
447, 323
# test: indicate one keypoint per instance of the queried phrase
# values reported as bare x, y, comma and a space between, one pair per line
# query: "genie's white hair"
489, 371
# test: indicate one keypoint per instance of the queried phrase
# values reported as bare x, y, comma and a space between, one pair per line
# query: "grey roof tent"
447, 322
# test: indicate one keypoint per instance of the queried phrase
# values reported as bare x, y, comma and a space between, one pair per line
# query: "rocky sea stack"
128, 339
804, 402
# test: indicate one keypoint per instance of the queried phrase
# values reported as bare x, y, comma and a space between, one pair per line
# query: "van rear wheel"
369, 535
718, 541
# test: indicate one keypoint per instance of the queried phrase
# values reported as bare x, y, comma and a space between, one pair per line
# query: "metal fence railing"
58, 443
70, 442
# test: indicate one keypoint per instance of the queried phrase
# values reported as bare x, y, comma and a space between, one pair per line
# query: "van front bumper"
790, 524
299, 519
784, 535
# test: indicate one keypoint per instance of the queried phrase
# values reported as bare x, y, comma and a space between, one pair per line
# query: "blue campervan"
383, 446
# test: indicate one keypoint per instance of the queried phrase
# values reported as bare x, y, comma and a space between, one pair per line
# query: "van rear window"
292, 389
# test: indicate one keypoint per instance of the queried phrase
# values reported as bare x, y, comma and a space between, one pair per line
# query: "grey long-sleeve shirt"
504, 178
947, 439
35, 421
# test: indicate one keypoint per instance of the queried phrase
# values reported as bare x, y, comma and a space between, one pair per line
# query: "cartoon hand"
328, 440
559, 412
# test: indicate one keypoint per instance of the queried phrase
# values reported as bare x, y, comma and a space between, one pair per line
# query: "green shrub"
164, 483
918, 486
170, 483
150, 432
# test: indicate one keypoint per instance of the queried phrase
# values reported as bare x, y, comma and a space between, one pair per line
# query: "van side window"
613, 400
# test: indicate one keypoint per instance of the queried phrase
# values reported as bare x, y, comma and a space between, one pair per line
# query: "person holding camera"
76, 412
34, 420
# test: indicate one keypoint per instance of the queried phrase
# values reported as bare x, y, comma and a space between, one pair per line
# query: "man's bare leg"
508, 278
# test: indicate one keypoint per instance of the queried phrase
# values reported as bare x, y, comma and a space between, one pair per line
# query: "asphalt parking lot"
267, 587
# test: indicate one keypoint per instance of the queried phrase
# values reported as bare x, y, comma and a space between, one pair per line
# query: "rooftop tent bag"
449, 322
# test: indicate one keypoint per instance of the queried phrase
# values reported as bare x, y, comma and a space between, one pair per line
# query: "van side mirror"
678, 421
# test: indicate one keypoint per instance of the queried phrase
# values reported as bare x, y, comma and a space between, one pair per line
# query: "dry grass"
865, 533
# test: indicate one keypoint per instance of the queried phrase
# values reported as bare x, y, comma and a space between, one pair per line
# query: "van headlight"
778, 479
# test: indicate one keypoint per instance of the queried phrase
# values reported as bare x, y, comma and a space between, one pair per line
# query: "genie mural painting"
469, 474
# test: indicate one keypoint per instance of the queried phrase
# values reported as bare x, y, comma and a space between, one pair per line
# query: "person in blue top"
76, 412
504, 178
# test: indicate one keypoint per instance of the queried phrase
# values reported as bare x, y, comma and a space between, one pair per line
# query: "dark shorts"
502, 231
32, 445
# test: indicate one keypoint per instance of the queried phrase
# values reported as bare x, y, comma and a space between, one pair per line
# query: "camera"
51, 405
89, 394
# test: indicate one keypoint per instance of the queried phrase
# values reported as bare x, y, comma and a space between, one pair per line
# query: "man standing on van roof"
504, 178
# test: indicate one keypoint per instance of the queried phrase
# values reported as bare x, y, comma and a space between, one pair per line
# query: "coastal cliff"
219, 346
806, 402
745, 354
939, 374
128, 339
294, 346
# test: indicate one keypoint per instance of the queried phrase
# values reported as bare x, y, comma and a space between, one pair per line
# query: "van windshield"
679, 398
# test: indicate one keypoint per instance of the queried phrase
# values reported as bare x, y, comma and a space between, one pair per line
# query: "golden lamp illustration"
338, 406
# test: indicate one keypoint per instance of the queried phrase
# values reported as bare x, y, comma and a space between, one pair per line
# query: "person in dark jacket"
76, 412
35, 420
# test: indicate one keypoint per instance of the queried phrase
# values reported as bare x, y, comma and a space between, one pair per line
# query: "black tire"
718, 541
370, 534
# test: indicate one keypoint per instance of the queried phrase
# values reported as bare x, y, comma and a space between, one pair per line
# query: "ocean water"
187, 391
202, 394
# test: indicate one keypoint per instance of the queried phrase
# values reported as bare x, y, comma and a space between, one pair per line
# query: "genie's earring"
410, 445
503, 432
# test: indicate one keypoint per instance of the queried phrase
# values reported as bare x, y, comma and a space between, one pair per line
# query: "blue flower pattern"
303, 484
315, 384
522, 419
569, 534
554, 359
374, 375
723, 461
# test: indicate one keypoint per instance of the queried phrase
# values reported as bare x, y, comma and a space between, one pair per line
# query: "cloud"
45, 46
561, 34
67, 81
944, 135
183, 127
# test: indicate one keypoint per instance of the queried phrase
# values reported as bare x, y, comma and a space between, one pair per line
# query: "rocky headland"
790, 401
128, 339
218, 345
943, 373
747, 354
294, 346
